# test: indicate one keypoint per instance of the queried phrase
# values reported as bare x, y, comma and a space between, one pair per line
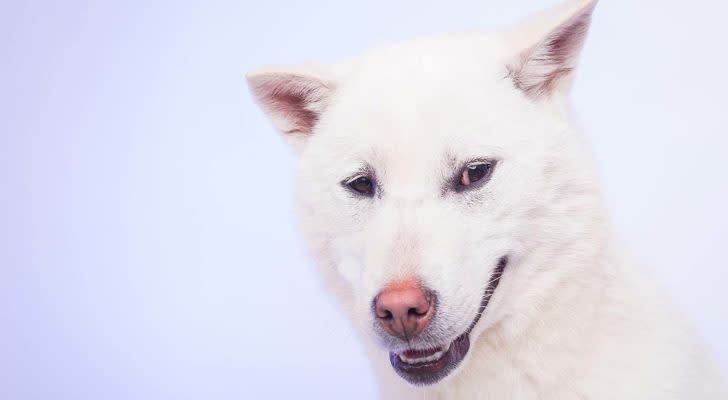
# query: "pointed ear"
293, 98
545, 66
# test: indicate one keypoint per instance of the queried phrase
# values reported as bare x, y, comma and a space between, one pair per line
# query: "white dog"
454, 209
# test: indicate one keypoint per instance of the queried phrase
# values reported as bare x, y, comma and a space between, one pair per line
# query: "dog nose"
404, 309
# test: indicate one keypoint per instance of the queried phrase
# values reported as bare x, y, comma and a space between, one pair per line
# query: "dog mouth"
429, 366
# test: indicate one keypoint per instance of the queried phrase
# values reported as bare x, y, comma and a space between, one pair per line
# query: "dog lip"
431, 371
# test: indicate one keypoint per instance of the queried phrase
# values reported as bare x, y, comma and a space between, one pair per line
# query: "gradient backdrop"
147, 242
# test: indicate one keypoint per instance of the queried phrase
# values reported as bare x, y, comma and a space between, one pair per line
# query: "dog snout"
404, 309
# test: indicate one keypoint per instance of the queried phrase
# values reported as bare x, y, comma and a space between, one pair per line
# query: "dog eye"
475, 172
362, 185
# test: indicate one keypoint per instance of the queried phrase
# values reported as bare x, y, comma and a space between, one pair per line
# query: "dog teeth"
444, 350
433, 357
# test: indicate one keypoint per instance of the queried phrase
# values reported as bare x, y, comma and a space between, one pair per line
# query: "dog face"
433, 174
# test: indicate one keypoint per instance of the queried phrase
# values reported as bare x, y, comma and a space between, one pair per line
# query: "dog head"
437, 177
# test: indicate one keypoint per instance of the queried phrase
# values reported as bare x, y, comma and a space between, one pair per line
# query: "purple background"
147, 243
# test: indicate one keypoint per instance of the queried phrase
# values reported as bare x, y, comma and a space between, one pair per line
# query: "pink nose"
404, 309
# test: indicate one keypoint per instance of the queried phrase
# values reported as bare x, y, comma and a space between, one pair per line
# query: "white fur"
574, 316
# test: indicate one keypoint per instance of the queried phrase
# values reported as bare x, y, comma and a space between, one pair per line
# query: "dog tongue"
414, 354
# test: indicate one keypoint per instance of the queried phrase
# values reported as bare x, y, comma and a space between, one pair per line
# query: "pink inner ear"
542, 67
291, 98
562, 45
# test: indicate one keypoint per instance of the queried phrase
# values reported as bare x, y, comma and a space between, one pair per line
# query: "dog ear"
293, 98
552, 43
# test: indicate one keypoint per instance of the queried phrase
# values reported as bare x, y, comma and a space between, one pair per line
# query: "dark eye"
362, 185
475, 172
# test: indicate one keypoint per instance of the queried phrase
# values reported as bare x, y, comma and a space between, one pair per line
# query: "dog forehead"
424, 92
448, 53
427, 74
